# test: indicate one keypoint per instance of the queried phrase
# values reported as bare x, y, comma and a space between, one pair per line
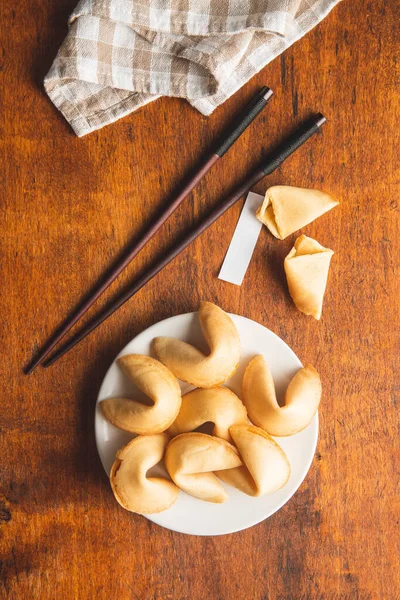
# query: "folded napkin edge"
84, 124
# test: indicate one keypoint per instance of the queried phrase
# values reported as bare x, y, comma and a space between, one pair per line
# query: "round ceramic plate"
188, 514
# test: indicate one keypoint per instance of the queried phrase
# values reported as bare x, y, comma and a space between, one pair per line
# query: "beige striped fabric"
122, 54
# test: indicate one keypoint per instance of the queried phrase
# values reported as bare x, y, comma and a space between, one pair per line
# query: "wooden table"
68, 205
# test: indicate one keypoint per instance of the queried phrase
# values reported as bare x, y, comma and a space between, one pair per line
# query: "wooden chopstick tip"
30, 367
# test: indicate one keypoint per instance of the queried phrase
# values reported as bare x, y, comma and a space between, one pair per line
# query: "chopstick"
270, 163
233, 132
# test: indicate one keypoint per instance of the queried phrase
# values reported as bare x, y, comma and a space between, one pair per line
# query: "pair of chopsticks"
270, 163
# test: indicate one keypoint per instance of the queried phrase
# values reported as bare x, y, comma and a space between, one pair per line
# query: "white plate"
188, 514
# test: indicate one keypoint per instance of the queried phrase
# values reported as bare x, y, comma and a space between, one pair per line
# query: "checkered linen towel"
122, 54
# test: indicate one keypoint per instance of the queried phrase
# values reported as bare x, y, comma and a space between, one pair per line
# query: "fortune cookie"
286, 209
302, 399
131, 486
306, 268
191, 459
265, 468
216, 405
190, 364
159, 384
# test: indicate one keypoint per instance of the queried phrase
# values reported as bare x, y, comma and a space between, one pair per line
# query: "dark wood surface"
69, 205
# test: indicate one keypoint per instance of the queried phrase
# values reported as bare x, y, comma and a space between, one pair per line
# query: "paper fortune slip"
243, 242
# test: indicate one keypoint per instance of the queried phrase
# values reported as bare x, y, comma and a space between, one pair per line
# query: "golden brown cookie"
301, 402
286, 209
306, 268
191, 459
190, 364
217, 405
158, 383
265, 468
131, 486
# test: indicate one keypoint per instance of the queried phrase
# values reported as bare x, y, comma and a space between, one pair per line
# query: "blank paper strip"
243, 242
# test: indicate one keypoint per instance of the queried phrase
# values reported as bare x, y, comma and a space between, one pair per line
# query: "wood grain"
68, 205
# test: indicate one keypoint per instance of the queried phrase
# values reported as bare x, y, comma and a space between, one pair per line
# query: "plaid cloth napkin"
122, 54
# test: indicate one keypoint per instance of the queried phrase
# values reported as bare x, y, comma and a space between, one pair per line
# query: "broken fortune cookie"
286, 209
306, 268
